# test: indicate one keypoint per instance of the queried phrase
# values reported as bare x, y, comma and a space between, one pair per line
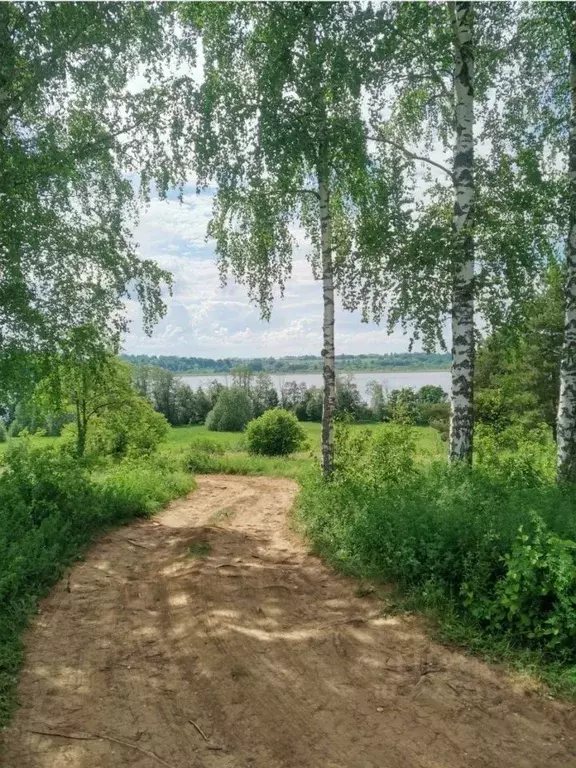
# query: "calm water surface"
390, 381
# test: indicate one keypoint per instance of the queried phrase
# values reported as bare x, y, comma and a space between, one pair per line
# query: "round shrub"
233, 410
275, 433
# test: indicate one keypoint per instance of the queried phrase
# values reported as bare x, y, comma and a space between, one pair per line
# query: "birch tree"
282, 135
543, 113
480, 226
462, 419
566, 426
430, 93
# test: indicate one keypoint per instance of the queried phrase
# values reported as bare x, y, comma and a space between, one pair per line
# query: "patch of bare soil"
209, 637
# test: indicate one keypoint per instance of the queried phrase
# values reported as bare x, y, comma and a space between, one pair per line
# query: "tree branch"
310, 192
434, 75
412, 155
116, 403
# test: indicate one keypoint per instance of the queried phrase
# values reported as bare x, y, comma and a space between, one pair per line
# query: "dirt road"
209, 637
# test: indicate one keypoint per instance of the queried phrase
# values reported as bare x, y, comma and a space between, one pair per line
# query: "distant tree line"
249, 395
295, 364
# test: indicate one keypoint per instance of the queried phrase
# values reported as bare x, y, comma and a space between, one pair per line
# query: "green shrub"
517, 453
233, 410
199, 461
495, 542
276, 433
140, 487
50, 510
369, 458
15, 428
205, 445
535, 599
133, 430
203, 456
402, 406
435, 415
3, 433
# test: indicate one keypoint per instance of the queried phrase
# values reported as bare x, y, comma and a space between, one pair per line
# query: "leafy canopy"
71, 127
281, 106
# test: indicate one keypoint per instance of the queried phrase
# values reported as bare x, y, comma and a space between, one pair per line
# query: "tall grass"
489, 551
226, 452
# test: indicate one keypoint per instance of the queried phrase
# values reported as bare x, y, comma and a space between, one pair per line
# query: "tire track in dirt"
250, 653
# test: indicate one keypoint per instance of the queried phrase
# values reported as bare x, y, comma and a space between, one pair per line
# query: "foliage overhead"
283, 95
72, 124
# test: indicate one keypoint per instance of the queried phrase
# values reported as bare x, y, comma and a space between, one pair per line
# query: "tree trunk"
462, 400
329, 372
566, 423
80, 429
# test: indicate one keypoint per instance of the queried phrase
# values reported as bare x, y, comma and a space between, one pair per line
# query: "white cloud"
206, 319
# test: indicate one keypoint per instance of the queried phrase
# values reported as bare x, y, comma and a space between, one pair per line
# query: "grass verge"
52, 509
487, 554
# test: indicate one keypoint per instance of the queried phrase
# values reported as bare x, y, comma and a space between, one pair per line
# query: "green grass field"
429, 443
429, 446
236, 460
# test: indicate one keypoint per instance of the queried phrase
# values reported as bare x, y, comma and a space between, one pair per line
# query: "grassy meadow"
429, 446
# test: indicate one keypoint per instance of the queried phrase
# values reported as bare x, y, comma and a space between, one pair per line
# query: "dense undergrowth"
489, 551
52, 507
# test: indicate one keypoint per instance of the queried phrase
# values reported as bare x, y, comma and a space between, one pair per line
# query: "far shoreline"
314, 373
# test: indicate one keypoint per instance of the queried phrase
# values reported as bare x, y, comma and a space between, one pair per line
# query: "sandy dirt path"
249, 653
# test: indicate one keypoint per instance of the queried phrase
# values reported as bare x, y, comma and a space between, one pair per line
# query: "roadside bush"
517, 453
366, 458
134, 430
205, 445
535, 599
202, 462
50, 510
494, 544
275, 433
136, 487
203, 456
233, 410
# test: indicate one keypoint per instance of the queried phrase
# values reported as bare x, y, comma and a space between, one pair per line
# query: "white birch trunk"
462, 401
329, 372
566, 423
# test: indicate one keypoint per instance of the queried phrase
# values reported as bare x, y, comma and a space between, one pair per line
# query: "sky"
206, 320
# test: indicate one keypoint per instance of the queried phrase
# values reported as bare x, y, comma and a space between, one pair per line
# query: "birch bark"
329, 372
462, 396
566, 423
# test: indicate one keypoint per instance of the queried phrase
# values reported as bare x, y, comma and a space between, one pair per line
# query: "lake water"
414, 380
